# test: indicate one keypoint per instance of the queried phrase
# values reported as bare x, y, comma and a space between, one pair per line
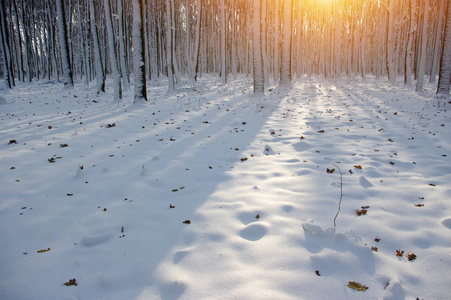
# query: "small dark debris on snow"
72, 281
187, 222
317, 273
111, 125
13, 141
63, 145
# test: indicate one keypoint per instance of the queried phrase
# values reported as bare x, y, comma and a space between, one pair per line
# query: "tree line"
88, 40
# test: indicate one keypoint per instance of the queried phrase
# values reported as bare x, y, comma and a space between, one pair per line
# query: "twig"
341, 193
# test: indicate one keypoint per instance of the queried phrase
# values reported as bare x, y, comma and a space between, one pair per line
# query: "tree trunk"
123, 53
445, 64
68, 78
223, 44
424, 41
259, 84
285, 76
100, 74
409, 52
171, 87
390, 54
5, 47
139, 57
112, 53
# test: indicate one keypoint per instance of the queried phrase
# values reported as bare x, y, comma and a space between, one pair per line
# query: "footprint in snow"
94, 240
447, 222
253, 232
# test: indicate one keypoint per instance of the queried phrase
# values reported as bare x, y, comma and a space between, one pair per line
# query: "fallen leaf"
399, 253
257, 216
175, 190
411, 256
357, 286
321, 131
70, 195
317, 273
358, 167
51, 160
63, 145
329, 171
171, 206
419, 205
44, 250
361, 212
187, 222
13, 141
374, 249
111, 125
72, 281
243, 159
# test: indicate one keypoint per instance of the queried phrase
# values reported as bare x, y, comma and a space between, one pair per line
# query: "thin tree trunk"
171, 87
424, 40
259, 83
285, 76
112, 54
139, 56
122, 56
445, 63
100, 74
68, 78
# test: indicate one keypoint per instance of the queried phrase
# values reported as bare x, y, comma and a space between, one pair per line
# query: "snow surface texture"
87, 187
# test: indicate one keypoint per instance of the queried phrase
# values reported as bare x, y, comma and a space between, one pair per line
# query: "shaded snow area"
213, 193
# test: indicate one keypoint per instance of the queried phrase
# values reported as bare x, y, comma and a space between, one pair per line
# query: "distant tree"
139, 56
259, 81
68, 78
7, 61
423, 53
100, 74
285, 75
445, 64
112, 53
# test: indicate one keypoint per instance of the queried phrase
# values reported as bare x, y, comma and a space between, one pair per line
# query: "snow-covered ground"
102, 192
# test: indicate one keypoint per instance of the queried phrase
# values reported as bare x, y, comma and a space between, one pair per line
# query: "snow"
248, 172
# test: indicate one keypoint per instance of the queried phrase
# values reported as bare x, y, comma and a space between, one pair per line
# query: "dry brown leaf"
357, 286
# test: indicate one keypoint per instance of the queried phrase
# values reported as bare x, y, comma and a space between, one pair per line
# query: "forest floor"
214, 193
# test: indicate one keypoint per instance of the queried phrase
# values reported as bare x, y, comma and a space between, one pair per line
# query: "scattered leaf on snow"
374, 249
357, 286
12, 168
330, 171
51, 160
63, 145
390, 140
105, 209
399, 253
243, 159
358, 167
44, 250
392, 163
365, 207
431, 184
72, 281
257, 216
122, 229
70, 195
411, 256
361, 212
187, 222
317, 273
321, 131
175, 190
13, 141
377, 240
111, 125
171, 206
419, 205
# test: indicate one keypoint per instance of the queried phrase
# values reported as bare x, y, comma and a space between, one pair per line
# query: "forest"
225, 149
88, 40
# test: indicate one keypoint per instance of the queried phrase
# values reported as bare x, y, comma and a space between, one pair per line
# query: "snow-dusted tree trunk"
390, 54
423, 54
139, 57
445, 63
112, 53
223, 44
100, 74
123, 53
68, 78
5, 47
171, 87
276, 42
409, 51
285, 74
195, 64
438, 40
259, 82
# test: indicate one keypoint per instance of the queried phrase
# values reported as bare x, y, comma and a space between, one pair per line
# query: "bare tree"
445, 64
139, 57
68, 78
